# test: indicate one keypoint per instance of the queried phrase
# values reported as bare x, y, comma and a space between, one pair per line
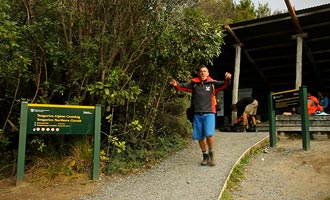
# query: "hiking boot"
205, 159
251, 129
239, 129
243, 128
212, 160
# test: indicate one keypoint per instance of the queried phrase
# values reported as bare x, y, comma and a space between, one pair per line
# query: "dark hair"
202, 66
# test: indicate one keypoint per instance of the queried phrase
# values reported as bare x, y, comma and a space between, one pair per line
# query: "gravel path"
181, 177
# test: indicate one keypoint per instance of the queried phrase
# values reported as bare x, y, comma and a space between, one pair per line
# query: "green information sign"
285, 99
60, 119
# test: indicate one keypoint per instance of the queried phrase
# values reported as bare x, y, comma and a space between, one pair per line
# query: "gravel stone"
181, 177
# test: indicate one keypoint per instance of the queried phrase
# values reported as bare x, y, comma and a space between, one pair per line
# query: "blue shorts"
204, 125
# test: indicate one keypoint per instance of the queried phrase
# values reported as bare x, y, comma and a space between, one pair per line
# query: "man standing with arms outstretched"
204, 89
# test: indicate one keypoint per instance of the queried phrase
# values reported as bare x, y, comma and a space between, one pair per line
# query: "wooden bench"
319, 125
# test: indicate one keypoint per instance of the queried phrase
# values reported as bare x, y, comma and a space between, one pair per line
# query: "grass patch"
237, 174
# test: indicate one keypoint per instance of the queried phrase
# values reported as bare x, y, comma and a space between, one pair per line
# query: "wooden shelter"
277, 53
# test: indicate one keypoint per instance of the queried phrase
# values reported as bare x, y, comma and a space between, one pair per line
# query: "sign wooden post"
272, 122
304, 119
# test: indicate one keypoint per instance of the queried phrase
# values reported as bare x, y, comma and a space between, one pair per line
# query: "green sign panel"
285, 99
289, 99
60, 119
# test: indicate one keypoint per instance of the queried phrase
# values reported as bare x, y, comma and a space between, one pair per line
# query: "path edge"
257, 145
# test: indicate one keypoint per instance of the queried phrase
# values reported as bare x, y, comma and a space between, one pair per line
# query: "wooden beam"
293, 16
299, 48
237, 40
227, 27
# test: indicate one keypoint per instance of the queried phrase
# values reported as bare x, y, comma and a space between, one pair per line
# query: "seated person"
324, 101
313, 105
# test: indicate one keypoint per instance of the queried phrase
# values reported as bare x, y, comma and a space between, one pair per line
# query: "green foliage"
173, 119
219, 10
57, 159
119, 145
4, 142
226, 196
8, 29
49, 171
173, 132
117, 90
40, 145
135, 125
118, 55
263, 10
6, 165
246, 10
189, 37
138, 156
80, 155
237, 173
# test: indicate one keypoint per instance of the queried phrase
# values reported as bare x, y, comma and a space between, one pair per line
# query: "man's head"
203, 72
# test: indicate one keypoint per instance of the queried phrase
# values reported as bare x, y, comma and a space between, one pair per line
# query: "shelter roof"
269, 50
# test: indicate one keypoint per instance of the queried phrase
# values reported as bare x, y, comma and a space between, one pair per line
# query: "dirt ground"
288, 172
55, 191
284, 172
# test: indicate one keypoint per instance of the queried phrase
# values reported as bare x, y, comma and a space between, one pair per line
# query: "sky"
297, 4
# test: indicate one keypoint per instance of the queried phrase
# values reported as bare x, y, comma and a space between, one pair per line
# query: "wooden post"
300, 42
236, 80
299, 62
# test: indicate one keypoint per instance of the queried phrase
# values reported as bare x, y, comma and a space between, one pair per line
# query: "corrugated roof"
268, 56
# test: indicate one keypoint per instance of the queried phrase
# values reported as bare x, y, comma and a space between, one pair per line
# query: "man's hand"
227, 76
174, 83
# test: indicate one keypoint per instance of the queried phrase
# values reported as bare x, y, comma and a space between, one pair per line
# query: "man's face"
203, 73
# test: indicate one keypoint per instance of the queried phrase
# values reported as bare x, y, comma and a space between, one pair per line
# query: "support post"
304, 119
272, 122
299, 61
236, 80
